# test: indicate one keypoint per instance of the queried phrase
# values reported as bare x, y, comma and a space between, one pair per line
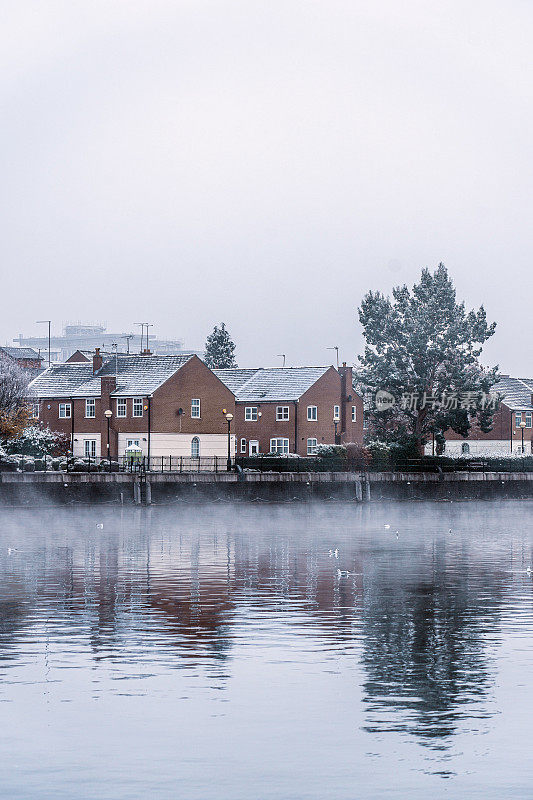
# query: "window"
465, 448
195, 447
517, 418
122, 405
365, 422
90, 448
250, 413
280, 446
195, 408
134, 442
253, 447
336, 413
312, 445
528, 419
354, 413
243, 445
35, 410
312, 413
64, 411
137, 406
89, 408
282, 413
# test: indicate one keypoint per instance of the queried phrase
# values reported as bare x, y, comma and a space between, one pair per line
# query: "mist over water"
267, 651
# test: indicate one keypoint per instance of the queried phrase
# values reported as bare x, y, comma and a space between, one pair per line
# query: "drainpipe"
72, 425
511, 432
295, 426
149, 426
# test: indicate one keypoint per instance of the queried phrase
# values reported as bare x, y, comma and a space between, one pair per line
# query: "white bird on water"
529, 571
100, 525
387, 527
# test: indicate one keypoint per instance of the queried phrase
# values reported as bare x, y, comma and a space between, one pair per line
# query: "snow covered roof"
234, 378
20, 352
61, 380
136, 376
516, 392
278, 383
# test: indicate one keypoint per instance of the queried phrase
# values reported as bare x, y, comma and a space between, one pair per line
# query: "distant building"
88, 337
26, 357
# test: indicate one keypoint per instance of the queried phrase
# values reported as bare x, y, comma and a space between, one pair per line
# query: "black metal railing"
264, 463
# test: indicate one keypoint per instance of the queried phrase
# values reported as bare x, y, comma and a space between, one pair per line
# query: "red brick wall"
325, 394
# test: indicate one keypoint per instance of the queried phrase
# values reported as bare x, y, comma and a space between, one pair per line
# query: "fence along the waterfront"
269, 463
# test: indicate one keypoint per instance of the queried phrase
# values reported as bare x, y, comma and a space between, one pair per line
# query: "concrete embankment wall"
33, 489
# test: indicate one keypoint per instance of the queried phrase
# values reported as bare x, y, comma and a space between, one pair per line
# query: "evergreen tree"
219, 349
422, 348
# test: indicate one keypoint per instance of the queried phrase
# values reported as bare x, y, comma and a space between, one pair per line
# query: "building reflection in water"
180, 589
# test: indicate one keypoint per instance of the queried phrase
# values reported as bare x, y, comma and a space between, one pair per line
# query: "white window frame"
65, 407
365, 422
279, 444
195, 408
312, 448
336, 413
136, 402
528, 417
90, 403
465, 449
250, 413
134, 442
354, 413
282, 413
89, 444
243, 445
517, 418
35, 410
195, 439
122, 403
253, 447
312, 413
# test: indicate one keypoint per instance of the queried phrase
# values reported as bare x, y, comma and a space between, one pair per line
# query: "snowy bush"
37, 441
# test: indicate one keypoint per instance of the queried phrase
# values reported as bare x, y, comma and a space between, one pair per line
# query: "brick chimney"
97, 360
346, 380
146, 352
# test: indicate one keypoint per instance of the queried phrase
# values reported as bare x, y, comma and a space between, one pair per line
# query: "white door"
253, 447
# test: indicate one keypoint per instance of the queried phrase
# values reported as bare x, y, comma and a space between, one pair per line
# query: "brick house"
505, 438
293, 410
26, 357
165, 405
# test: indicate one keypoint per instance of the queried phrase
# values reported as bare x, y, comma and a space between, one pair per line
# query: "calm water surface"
265, 651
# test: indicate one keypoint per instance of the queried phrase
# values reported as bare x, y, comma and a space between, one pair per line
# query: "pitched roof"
516, 392
136, 375
61, 380
20, 352
279, 383
234, 378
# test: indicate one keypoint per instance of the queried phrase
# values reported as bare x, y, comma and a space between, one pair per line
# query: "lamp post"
108, 414
229, 417
39, 321
522, 426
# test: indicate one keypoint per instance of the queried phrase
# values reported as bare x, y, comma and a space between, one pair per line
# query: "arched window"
195, 447
465, 448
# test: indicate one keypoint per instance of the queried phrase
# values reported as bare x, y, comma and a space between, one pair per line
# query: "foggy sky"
264, 164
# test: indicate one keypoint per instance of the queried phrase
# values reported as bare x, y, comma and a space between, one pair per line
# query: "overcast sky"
264, 164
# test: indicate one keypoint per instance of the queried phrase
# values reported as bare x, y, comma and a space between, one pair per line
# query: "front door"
253, 447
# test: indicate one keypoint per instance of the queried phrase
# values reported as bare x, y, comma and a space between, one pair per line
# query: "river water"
262, 651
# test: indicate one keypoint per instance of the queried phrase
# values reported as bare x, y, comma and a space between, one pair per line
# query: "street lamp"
108, 414
39, 321
522, 426
229, 417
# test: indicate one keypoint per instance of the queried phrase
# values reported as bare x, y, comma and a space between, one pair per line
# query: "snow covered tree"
421, 365
14, 407
219, 349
